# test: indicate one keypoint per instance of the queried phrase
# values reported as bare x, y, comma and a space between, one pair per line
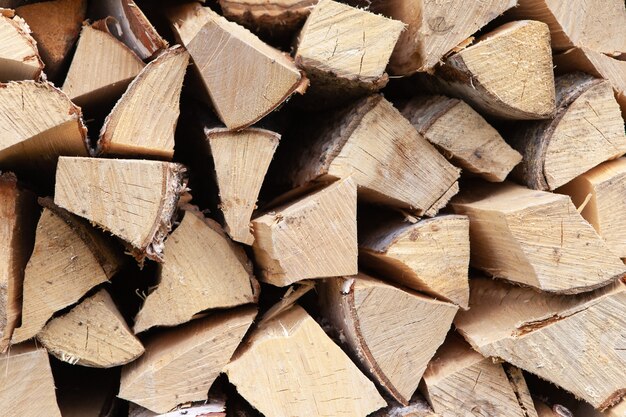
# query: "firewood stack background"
238, 208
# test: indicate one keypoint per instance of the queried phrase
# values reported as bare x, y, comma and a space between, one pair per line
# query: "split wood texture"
383, 339
69, 258
536, 238
587, 129
132, 199
19, 55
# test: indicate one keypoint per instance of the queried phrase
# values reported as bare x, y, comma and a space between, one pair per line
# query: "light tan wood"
239, 95
202, 270
574, 342
431, 255
132, 199
299, 371
70, 257
241, 160
93, 333
617, 411
18, 217
181, 364
26, 383
535, 238
462, 382
311, 237
379, 323
462, 135
101, 69
587, 129
19, 56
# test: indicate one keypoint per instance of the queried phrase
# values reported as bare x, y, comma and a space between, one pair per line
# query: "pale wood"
574, 342
202, 270
290, 367
19, 56
462, 135
132, 199
314, 236
241, 160
214, 409
18, 217
431, 255
417, 408
93, 333
101, 69
535, 238
181, 364
244, 77
379, 323
26, 383
617, 411
587, 129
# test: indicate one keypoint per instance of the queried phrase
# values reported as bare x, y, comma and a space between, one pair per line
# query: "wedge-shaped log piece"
26, 383
299, 371
259, 77
181, 364
535, 238
101, 69
93, 333
431, 255
241, 160
461, 382
462, 135
18, 217
311, 237
135, 200
601, 191
19, 56
344, 50
214, 271
588, 129
574, 342
383, 340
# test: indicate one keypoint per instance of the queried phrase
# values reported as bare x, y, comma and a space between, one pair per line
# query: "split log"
18, 51
202, 270
143, 121
575, 342
431, 255
214, 409
93, 333
384, 342
600, 193
344, 51
319, 379
18, 216
460, 381
134, 200
26, 383
101, 69
163, 377
239, 96
535, 238
462, 135
69, 258
314, 236
587, 130
55, 26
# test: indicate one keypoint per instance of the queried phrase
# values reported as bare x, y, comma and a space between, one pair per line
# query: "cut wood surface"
314, 236
259, 78
298, 370
587, 129
617, 411
535, 238
431, 255
181, 364
19, 56
143, 121
574, 342
462, 135
18, 216
383, 339
202, 269
135, 200
241, 160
